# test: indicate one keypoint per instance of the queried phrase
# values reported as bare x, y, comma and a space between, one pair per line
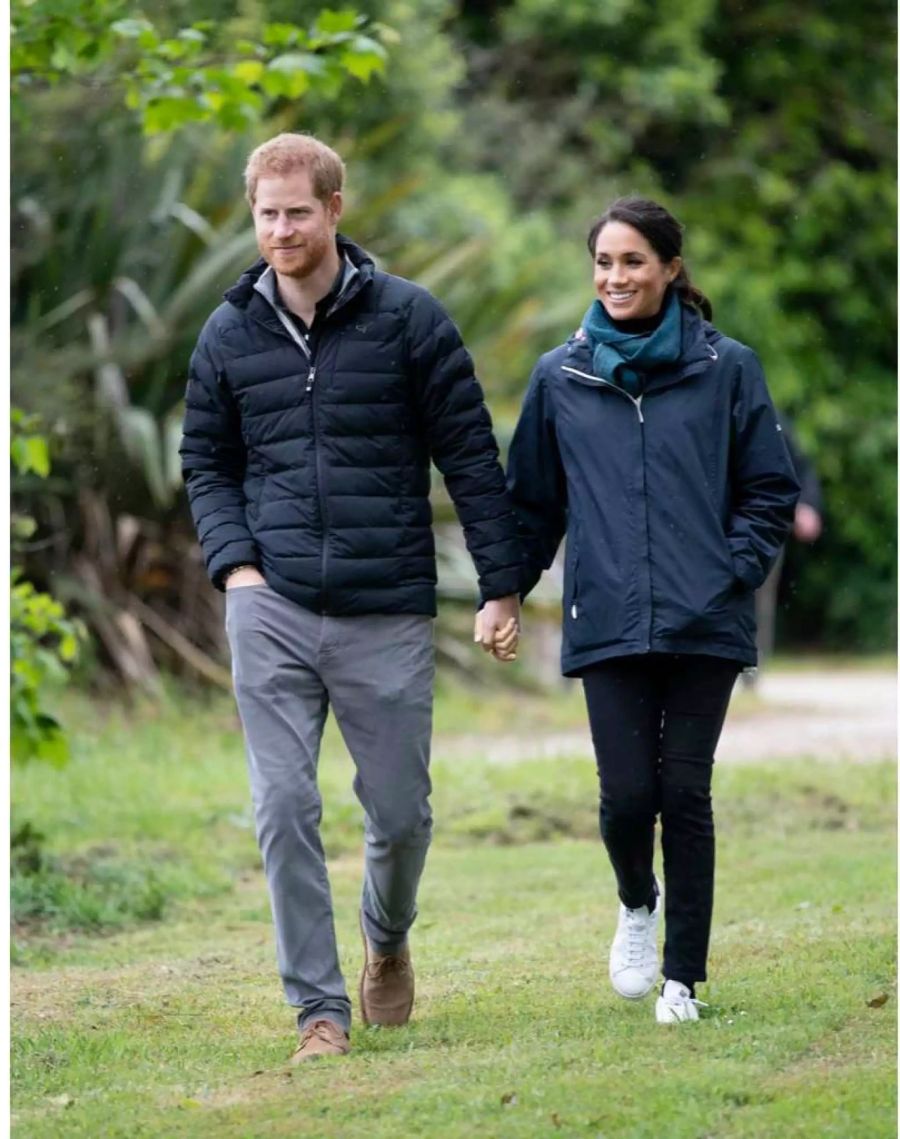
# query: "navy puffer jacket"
318, 471
675, 504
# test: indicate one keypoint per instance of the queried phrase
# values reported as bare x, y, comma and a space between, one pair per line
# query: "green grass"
177, 1027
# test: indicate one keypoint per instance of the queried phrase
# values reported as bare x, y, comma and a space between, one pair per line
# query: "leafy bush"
44, 642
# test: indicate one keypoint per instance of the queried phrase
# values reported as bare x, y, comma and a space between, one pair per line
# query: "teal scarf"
625, 357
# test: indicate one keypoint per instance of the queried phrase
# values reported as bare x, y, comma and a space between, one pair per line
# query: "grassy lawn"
176, 1026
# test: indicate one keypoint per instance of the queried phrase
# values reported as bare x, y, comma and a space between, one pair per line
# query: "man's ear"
335, 207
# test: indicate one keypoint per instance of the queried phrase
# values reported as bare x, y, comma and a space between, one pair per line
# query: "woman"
650, 441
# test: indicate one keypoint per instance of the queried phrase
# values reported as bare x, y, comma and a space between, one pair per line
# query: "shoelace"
319, 1030
386, 965
635, 946
679, 999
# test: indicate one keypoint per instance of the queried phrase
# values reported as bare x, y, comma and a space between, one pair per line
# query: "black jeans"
655, 722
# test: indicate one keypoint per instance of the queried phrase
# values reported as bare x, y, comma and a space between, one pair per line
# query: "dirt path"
827, 715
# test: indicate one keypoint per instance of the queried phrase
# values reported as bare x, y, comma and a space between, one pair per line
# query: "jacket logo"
363, 327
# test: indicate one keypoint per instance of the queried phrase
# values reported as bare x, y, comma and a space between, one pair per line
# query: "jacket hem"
574, 665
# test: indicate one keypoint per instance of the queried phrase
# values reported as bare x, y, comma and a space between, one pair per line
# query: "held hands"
497, 628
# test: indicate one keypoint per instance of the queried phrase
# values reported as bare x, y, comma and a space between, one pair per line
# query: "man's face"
294, 230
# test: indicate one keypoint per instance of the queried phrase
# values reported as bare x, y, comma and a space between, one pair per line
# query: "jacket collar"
255, 287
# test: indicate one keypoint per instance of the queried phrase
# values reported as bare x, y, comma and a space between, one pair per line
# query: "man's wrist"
237, 569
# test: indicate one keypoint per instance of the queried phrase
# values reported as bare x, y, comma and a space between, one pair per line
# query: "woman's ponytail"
691, 295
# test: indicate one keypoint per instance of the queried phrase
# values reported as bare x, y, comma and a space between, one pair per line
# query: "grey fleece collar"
266, 284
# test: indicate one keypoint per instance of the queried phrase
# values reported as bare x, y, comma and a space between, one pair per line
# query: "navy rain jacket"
318, 470
674, 504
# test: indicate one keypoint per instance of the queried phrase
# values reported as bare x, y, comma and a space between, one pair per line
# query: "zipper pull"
310, 379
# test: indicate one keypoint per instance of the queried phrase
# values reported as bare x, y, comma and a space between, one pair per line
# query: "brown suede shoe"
387, 986
321, 1038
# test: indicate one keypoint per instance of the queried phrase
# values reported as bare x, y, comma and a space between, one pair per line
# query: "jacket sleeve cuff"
236, 556
497, 587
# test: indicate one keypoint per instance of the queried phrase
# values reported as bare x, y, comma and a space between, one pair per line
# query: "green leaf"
131, 28
38, 455
30, 453
282, 35
214, 100
22, 526
331, 23
53, 748
249, 71
236, 116
18, 452
168, 113
367, 46
175, 49
280, 84
298, 61
68, 648
148, 39
362, 67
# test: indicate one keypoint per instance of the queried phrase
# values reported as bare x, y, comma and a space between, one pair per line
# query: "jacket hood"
242, 291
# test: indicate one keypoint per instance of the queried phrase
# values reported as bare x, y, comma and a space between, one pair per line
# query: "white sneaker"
675, 1004
633, 960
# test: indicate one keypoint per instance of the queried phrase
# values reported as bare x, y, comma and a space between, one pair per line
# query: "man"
319, 393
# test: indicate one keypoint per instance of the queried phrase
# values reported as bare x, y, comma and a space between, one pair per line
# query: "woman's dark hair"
663, 233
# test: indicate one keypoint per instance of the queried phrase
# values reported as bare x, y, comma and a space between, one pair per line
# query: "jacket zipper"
575, 584
323, 506
312, 390
595, 380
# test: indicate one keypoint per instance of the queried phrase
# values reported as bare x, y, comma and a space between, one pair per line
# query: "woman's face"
629, 276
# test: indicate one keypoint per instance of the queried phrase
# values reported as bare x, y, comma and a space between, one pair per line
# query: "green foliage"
196, 75
769, 129
498, 131
43, 646
28, 450
44, 642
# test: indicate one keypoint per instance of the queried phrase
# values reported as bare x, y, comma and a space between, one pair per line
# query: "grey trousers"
377, 672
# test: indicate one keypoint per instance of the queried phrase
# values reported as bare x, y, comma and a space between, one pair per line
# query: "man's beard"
300, 263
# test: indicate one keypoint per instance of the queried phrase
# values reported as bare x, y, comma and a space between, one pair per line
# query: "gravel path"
827, 715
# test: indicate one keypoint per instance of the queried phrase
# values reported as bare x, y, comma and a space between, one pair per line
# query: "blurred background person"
807, 528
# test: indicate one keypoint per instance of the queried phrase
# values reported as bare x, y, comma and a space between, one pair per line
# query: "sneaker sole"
634, 996
671, 1017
